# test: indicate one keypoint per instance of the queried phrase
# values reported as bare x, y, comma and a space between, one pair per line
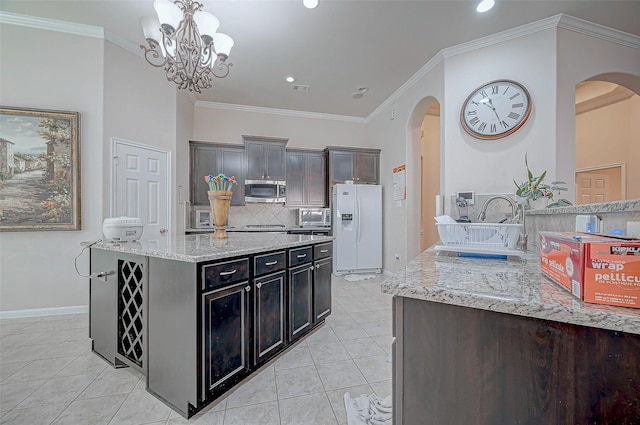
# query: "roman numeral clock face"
495, 110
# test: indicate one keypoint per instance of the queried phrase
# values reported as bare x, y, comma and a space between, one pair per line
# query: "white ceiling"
336, 48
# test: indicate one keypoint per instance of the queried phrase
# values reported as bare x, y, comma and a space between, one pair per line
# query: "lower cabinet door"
225, 327
269, 315
322, 289
300, 300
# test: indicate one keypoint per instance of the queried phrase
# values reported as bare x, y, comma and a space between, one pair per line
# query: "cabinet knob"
247, 288
317, 266
311, 268
259, 285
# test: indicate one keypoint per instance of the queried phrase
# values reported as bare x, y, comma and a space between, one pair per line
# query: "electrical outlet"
633, 228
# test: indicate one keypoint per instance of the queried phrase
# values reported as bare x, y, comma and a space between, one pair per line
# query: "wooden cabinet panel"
366, 168
316, 179
225, 324
357, 164
224, 273
265, 158
214, 158
306, 178
321, 289
300, 300
269, 319
296, 181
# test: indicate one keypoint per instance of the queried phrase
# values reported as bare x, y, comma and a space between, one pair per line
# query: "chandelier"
183, 40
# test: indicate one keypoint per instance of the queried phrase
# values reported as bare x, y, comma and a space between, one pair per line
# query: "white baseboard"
16, 314
388, 272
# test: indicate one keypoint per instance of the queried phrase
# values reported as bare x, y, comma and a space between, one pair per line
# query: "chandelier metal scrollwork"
184, 40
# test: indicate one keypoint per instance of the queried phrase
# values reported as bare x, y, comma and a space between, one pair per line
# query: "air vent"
300, 88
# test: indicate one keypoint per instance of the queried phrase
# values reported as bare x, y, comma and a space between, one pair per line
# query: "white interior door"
141, 187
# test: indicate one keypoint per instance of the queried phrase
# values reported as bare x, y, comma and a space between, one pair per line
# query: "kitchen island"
197, 315
493, 342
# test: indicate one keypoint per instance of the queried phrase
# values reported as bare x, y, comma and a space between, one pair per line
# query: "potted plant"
535, 188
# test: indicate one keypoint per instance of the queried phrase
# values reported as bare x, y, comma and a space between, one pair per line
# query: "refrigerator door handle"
357, 219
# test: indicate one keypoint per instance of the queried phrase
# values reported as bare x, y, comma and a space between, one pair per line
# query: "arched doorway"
413, 174
429, 175
607, 148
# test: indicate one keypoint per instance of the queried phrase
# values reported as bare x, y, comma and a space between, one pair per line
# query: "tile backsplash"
260, 214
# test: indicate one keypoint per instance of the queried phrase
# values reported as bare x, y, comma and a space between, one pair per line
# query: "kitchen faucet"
517, 212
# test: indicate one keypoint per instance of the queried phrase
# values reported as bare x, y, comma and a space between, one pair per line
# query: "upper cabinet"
215, 158
306, 178
358, 164
265, 158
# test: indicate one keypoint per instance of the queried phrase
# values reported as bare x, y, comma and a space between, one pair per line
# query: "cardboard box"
597, 269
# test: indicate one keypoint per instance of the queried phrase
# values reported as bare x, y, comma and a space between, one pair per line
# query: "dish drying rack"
482, 238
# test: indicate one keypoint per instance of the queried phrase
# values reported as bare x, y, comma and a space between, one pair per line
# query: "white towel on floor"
368, 410
356, 277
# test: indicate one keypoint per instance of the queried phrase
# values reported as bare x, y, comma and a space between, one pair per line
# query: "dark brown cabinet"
265, 158
357, 164
225, 325
215, 158
269, 305
322, 282
306, 178
300, 300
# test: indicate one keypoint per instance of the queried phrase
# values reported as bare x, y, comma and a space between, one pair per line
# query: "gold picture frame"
39, 170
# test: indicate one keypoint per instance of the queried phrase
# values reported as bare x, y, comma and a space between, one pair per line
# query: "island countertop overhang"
203, 247
513, 287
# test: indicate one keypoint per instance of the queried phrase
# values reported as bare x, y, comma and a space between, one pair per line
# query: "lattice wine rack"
130, 311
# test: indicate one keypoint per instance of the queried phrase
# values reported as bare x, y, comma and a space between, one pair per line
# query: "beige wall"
36, 268
610, 135
214, 124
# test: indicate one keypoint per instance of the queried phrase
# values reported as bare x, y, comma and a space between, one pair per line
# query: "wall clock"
495, 109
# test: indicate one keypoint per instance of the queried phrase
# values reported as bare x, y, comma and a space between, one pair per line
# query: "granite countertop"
604, 207
516, 286
259, 229
202, 247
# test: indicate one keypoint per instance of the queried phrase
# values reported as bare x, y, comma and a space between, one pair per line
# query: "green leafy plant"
535, 188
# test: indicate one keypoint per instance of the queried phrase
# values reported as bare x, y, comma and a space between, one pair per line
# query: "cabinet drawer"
300, 256
322, 250
268, 263
222, 274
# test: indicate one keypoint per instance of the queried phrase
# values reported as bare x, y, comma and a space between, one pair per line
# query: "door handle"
163, 231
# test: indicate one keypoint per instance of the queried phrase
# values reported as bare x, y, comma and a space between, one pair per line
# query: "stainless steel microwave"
314, 217
274, 191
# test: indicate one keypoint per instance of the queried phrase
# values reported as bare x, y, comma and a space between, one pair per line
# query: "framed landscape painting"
39, 170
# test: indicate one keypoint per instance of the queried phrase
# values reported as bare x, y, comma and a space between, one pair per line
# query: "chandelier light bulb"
485, 5
169, 15
310, 4
207, 25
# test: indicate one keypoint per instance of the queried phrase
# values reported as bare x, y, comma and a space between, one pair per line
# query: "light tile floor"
48, 374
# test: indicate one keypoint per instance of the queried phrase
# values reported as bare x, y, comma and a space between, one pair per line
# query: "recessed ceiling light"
310, 4
485, 5
289, 79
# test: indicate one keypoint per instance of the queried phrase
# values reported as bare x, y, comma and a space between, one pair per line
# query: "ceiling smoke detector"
360, 93
301, 88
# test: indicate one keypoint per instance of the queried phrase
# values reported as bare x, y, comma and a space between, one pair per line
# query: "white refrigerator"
356, 218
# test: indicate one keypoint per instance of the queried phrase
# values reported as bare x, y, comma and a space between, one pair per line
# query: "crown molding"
612, 35
557, 21
121, 42
275, 111
619, 94
51, 25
